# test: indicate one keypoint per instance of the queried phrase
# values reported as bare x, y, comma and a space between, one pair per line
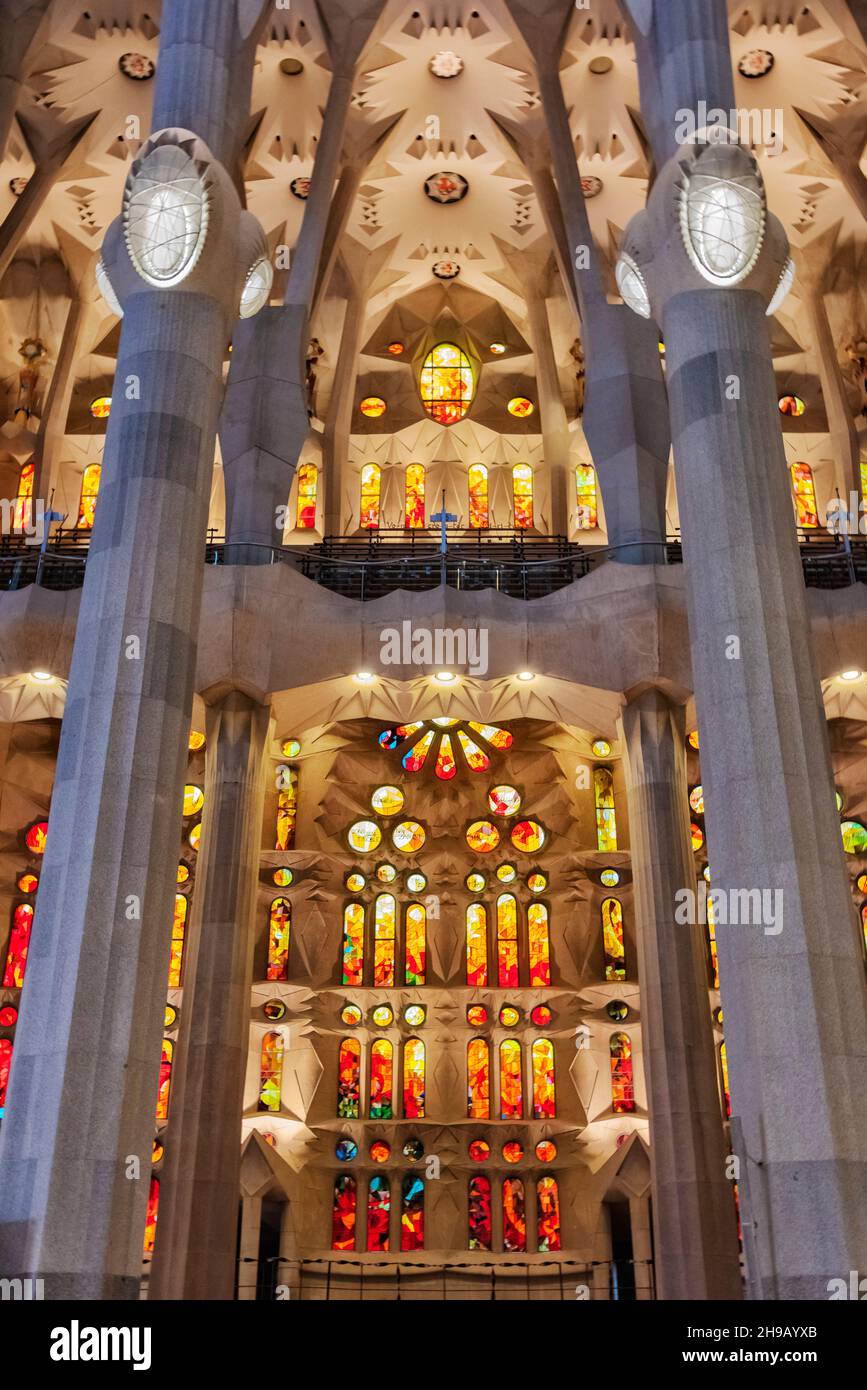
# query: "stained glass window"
287, 807
343, 1212
540, 962
387, 800
23, 511
606, 822
804, 490
308, 486
5, 1064
622, 1092
528, 836
19, 941
36, 837
371, 487
353, 944
483, 836
479, 1214
89, 494
383, 959
413, 1079
522, 493
179, 927
504, 800
612, 940
724, 1068
478, 489
408, 837
416, 947
412, 1213
511, 1083
585, 493
711, 941
271, 1071
165, 1080
349, 1080
548, 1214
414, 512
150, 1234
381, 1080
477, 945
514, 1216
279, 925
544, 1095
378, 1213
447, 384
478, 1080
507, 941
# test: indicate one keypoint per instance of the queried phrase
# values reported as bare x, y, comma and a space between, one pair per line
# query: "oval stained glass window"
28, 883
195, 835
507, 873
350, 1014
355, 882
601, 748
609, 878
387, 801
697, 836
383, 1015
528, 836
510, 1017
282, 877
476, 883
36, 836
414, 1015
408, 837
413, 1149
165, 215
504, 801
696, 800
482, 837
537, 882
723, 213
541, 1016
513, 1152
477, 1015
290, 748
416, 883
365, 836
8, 1016
345, 1150
373, 407
386, 873
274, 1010
447, 383
480, 1150
380, 1151
854, 837
546, 1151
194, 800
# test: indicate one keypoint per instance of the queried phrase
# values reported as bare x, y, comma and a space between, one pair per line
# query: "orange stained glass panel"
371, 487
414, 512
477, 761
413, 1079
19, 942
270, 1071
548, 1214
511, 1083
412, 1213
308, 487
349, 1080
179, 927
612, 939
478, 489
540, 962
89, 493
447, 384
279, 926
585, 495
544, 1098
165, 1086
287, 808
23, 510
382, 1080
150, 1234
478, 1080
514, 1216
353, 944
804, 490
500, 739
416, 943
522, 492
507, 941
477, 945
606, 821
446, 765
383, 929
622, 1090
415, 759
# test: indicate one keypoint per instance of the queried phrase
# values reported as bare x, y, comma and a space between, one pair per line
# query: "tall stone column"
793, 985
813, 262
75, 1147
194, 1257
695, 1231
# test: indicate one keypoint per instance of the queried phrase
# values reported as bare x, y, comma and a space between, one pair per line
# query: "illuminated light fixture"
852, 674
45, 677
723, 211
373, 407
257, 288
166, 210
365, 677
520, 407
632, 285
602, 748
792, 405
784, 284
526, 676
445, 678
100, 409
498, 349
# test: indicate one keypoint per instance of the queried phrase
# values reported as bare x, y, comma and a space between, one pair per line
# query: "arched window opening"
416, 943
477, 945
612, 940
179, 929
622, 1089
522, 494
23, 510
480, 1214
384, 913
724, 1070
343, 1212
19, 944
378, 1213
353, 944
5, 1064
349, 1080
544, 1095
412, 1213
89, 493
413, 1079
606, 820
548, 1214
447, 384
371, 487
165, 1087
414, 508
511, 1082
308, 488
279, 926
540, 949
478, 1079
585, 496
507, 941
514, 1216
287, 807
382, 1080
804, 490
478, 489
150, 1234
271, 1072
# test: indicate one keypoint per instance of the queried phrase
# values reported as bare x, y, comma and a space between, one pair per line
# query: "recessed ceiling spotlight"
365, 677
526, 676
851, 674
445, 678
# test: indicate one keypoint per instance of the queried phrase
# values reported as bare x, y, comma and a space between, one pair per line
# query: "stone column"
813, 263
792, 976
248, 1249
75, 1146
693, 1204
194, 1257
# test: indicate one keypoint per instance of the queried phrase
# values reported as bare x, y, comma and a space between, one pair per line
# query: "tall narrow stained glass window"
19, 943
479, 1079
308, 487
479, 1213
5, 1064
540, 950
711, 942
89, 493
384, 913
612, 940
514, 1216
179, 928
382, 1080
416, 943
544, 1095
353, 944
23, 510
447, 384
507, 941
804, 490
413, 1079
478, 494
511, 1081
378, 1213
371, 489
279, 927
411, 1213
287, 807
477, 945
724, 1070
150, 1234
606, 820
271, 1072
622, 1089
585, 496
349, 1080
343, 1212
548, 1214
414, 503
165, 1086
522, 495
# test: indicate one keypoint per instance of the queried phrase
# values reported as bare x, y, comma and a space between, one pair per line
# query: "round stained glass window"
793, 406
380, 1151
387, 801
183, 875
854, 837
528, 836
374, 407
8, 1016
396, 349
696, 800
447, 384
757, 63
355, 882
416, 883
718, 1016
413, 1149
383, 1015
195, 836
157, 1151
482, 837
498, 349
537, 882
194, 800
546, 1151
274, 1010
350, 1014
477, 1015
170, 1017
504, 801
386, 873
609, 878
345, 1150
100, 409
282, 877
476, 883
36, 836
520, 407
414, 1015
290, 748
513, 1152
510, 1017
28, 882
196, 741
602, 748
617, 1010
408, 837
705, 873
861, 883
507, 873
480, 1150
365, 836
541, 1016
446, 187
692, 739
697, 835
